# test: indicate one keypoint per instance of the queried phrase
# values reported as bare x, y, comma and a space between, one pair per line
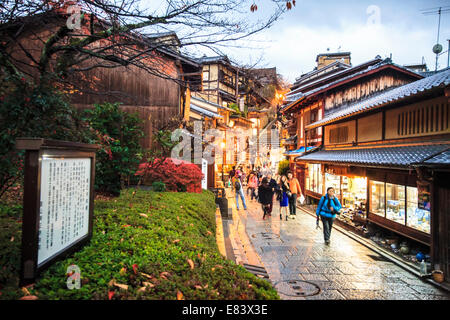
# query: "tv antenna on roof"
437, 48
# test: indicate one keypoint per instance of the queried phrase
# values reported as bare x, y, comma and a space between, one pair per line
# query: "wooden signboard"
58, 201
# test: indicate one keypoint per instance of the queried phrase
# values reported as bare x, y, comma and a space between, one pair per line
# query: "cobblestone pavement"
302, 267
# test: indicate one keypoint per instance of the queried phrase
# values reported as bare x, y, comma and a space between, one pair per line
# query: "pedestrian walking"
327, 209
258, 172
284, 198
239, 190
273, 187
294, 188
265, 196
266, 171
252, 185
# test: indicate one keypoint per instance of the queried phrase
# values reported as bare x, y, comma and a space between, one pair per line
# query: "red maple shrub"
177, 175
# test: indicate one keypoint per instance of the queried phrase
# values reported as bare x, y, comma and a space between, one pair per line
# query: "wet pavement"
302, 267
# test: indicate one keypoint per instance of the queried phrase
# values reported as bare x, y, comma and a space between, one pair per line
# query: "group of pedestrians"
262, 187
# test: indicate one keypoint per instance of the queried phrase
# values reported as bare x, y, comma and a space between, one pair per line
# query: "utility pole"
439, 29
437, 48
448, 53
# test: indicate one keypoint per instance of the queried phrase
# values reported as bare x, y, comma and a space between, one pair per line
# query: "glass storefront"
354, 193
332, 180
314, 178
377, 198
395, 203
400, 205
416, 218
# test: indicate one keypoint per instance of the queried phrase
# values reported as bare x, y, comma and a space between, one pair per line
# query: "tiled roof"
390, 95
370, 68
380, 156
312, 74
366, 65
202, 100
298, 151
205, 59
205, 112
442, 158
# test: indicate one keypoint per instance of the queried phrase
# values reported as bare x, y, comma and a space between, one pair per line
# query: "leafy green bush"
145, 245
118, 133
283, 167
159, 186
28, 110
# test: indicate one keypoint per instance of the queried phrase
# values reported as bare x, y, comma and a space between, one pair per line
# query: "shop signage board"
423, 201
58, 201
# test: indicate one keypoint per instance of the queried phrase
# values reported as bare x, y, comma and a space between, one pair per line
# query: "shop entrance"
441, 224
352, 193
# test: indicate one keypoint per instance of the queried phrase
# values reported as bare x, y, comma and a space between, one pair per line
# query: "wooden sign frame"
36, 149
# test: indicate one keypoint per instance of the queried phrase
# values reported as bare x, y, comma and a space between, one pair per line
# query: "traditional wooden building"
316, 96
387, 155
155, 89
219, 80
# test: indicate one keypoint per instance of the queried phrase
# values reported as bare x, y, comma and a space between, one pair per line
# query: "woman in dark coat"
265, 196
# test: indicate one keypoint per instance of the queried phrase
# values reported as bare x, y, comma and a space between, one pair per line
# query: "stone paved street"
293, 251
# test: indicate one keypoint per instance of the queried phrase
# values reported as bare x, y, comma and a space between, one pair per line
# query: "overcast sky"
365, 28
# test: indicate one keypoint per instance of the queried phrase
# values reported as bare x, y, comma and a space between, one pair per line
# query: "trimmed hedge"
166, 240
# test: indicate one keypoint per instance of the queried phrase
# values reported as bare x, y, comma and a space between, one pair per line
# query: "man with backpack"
327, 209
239, 191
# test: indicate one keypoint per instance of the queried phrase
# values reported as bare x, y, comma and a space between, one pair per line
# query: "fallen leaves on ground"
148, 284
191, 263
113, 283
164, 275
146, 275
180, 295
30, 297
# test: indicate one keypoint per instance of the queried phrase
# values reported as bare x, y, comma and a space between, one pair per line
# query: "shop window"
334, 181
314, 178
377, 198
354, 192
395, 203
416, 218
339, 135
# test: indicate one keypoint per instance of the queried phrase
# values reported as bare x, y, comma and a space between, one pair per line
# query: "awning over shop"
441, 159
205, 112
298, 151
379, 156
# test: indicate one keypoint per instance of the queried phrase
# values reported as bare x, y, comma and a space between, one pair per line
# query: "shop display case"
377, 198
333, 181
417, 218
395, 203
314, 178
354, 197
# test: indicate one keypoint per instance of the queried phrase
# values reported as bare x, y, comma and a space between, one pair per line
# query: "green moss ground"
157, 232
